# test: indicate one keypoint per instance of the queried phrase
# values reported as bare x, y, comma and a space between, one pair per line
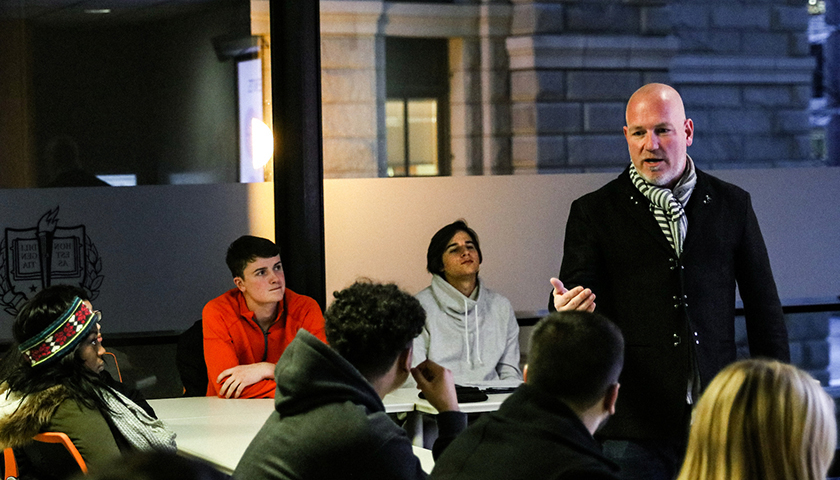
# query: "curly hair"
370, 324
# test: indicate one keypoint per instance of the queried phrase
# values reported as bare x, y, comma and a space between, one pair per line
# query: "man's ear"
525, 374
240, 283
689, 132
404, 360
611, 397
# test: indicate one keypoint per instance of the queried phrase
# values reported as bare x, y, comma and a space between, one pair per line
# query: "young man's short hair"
575, 356
370, 324
245, 250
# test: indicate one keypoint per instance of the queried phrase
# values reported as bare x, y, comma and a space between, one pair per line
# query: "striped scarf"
668, 207
142, 431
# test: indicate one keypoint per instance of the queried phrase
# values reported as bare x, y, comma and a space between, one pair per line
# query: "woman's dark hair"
440, 240
70, 371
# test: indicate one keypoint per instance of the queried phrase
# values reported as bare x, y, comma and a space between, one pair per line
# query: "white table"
414, 424
219, 430
403, 396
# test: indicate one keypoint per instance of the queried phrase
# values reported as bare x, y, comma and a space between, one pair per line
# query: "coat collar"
638, 207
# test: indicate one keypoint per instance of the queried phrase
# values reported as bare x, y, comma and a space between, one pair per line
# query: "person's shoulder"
608, 190
360, 428
229, 298
225, 305
494, 297
717, 187
425, 295
297, 302
72, 412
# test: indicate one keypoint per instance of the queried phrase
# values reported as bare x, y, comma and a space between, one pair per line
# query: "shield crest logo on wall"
32, 259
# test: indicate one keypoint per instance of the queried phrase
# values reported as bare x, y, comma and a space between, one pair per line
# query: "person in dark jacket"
329, 421
544, 430
663, 247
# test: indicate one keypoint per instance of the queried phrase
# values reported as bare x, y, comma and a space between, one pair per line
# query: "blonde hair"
761, 419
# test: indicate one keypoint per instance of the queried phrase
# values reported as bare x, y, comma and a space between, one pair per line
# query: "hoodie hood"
464, 311
451, 301
310, 374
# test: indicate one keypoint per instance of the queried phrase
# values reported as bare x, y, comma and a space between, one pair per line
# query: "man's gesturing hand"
578, 298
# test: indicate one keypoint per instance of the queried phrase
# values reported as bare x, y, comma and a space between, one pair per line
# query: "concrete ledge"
591, 51
350, 18
413, 19
740, 70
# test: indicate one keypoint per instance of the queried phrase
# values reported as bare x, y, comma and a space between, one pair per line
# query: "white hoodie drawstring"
477, 339
467, 335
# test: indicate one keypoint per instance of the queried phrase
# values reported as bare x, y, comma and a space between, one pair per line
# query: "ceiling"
78, 12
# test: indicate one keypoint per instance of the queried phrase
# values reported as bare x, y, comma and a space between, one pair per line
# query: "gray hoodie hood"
310, 374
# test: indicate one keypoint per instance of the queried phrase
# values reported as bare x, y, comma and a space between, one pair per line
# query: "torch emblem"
35, 258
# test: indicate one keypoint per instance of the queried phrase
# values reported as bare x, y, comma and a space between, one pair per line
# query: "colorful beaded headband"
62, 335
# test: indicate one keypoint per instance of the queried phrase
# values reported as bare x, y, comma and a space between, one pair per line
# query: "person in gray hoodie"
470, 329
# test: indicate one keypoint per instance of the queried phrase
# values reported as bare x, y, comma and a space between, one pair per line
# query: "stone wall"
352, 90
744, 72
539, 86
742, 67
353, 81
831, 55
573, 66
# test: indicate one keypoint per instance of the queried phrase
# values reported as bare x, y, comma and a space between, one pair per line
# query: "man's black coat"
671, 307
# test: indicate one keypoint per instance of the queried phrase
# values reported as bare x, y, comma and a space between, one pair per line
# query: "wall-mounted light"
262, 143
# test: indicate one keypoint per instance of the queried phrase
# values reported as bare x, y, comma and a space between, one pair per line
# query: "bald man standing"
659, 250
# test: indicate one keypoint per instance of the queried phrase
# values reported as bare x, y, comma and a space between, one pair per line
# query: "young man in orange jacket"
247, 328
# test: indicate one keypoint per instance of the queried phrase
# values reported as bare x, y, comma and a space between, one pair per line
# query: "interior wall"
160, 249
380, 228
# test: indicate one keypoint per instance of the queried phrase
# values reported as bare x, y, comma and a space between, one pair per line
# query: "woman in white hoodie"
470, 329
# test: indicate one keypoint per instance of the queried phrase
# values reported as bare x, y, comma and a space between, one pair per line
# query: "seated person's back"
470, 329
247, 328
544, 430
329, 420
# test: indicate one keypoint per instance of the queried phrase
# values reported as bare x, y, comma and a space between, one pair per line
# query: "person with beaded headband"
53, 379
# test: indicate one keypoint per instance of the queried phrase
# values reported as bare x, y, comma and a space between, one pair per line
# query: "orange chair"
11, 468
116, 365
